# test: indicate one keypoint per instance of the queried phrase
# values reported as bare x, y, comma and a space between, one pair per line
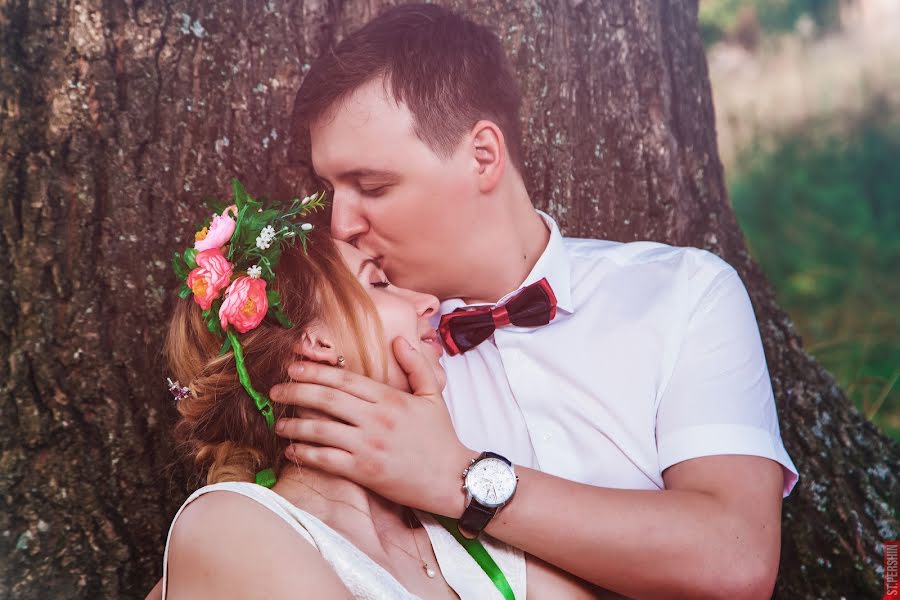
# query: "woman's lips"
431, 339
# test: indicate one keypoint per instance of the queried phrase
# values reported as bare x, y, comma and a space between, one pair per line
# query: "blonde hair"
220, 431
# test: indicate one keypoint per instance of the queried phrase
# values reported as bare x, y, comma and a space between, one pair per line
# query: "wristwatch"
490, 482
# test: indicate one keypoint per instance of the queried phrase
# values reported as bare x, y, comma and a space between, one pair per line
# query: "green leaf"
226, 346
282, 318
216, 205
273, 254
184, 291
214, 327
273, 297
179, 266
268, 215
253, 205
240, 194
189, 257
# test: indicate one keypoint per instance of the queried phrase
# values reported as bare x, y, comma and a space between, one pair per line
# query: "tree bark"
119, 116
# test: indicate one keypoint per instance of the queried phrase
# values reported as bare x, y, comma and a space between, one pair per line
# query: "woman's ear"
490, 154
317, 346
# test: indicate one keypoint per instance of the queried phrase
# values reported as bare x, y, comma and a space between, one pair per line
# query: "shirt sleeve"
719, 398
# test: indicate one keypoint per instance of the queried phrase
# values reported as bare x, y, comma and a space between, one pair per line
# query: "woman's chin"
439, 374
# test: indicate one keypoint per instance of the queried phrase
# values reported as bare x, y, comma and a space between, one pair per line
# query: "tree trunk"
119, 116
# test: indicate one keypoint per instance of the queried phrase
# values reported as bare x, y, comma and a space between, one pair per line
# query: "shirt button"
546, 437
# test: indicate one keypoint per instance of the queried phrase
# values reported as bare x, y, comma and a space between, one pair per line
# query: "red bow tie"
464, 328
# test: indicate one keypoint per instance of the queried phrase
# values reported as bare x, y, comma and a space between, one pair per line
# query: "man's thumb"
415, 365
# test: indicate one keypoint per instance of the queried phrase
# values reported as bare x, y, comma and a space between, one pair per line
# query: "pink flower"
245, 304
211, 276
218, 233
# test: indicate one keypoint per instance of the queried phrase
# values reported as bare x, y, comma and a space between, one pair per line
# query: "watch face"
491, 481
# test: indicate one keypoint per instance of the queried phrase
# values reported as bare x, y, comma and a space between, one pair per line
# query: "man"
640, 418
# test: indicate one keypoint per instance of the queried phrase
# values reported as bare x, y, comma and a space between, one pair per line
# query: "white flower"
305, 201
306, 227
254, 272
268, 232
263, 243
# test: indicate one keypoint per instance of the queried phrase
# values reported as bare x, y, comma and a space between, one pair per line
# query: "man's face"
393, 197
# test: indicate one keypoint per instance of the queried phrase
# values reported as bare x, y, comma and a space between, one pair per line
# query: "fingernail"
279, 426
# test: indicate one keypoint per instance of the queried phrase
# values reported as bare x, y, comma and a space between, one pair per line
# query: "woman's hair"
220, 429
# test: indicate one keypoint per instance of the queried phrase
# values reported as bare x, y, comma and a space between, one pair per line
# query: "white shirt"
654, 357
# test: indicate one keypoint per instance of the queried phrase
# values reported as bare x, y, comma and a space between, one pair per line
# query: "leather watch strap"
475, 518
487, 454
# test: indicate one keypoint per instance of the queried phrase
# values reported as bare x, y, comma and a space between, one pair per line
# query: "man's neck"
516, 242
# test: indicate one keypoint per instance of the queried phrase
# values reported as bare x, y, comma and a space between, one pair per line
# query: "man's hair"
449, 71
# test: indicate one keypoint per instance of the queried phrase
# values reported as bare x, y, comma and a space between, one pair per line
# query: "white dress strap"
362, 576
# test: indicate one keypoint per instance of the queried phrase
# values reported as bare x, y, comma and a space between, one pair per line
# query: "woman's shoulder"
227, 544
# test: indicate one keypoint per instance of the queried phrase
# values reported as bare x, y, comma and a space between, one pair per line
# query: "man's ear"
317, 346
490, 154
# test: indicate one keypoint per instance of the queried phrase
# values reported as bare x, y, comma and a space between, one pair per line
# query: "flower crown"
233, 259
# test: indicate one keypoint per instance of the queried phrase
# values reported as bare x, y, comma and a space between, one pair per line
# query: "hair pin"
178, 391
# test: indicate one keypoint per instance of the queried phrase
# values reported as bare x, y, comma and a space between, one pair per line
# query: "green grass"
718, 18
821, 214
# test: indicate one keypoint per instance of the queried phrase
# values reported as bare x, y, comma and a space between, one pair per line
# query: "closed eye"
373, 192
381, 284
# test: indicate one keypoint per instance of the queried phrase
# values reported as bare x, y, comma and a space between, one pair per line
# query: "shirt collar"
552, 264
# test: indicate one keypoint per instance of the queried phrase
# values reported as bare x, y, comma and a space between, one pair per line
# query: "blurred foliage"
721, 19
821, 213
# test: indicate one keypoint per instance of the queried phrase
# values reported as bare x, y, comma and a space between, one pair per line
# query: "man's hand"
400, 445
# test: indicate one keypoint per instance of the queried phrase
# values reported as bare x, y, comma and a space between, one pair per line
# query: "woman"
312, 535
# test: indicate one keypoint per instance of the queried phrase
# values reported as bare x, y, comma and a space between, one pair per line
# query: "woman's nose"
426, 304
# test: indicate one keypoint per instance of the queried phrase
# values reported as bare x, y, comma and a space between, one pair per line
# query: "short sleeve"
719, 399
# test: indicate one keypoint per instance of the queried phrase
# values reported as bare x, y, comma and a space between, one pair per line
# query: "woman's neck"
376, 526
357, 513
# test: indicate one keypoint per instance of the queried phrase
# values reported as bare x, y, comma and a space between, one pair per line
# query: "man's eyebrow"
358, 173
362, 265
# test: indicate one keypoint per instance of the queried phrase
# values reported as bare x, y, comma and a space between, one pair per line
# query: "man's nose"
346, 221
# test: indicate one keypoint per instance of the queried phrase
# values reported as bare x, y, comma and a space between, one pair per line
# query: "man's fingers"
320, 431
353, 383
331, 460
328, 400
417, 369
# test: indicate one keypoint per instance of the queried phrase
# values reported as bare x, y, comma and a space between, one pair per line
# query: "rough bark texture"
116, 116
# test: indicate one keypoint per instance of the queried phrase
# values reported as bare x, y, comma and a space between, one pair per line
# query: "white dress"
366, 579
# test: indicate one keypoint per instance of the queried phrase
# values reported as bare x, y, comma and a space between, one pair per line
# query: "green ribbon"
262, 402
478, 552
266, 477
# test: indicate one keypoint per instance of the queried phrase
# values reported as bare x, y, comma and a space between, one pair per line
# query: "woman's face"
403, 313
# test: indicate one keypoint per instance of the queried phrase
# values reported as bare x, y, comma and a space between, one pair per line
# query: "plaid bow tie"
464, 328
